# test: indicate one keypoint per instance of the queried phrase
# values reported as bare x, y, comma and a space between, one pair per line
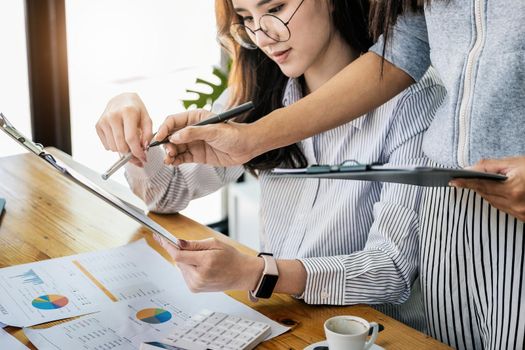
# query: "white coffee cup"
349, 333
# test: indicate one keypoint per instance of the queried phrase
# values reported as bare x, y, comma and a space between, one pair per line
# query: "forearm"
354, 91
152, 183
292, 277
167, 189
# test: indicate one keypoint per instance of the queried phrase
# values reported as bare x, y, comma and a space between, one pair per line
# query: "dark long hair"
256, 77
384, 14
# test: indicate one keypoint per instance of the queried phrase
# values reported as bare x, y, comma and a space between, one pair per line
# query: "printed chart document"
76, 285
8, 342
123, 325
126, 324
46, 291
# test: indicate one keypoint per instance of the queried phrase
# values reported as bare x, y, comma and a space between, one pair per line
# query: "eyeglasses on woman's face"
271, 25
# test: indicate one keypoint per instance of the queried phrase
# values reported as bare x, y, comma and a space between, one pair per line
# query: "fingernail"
175, 137
183, 243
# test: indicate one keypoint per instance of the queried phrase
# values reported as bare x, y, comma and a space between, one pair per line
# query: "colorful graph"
29, 277
153, 316
50, 302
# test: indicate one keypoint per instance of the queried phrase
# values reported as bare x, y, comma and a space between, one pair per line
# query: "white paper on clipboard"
128, 209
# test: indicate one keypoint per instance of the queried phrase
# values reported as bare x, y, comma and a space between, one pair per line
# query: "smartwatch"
268, 279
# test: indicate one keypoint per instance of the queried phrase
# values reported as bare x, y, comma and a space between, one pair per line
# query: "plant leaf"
204, 98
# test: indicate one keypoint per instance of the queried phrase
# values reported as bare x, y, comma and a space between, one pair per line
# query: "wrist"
293, 277
255, 140
271, 132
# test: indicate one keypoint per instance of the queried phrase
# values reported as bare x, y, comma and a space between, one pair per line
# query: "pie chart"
50, 302
153, 315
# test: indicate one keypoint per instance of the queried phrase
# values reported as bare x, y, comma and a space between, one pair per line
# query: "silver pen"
119, 164
226, 115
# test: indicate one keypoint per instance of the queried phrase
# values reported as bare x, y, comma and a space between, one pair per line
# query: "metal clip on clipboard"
79, 179
346, 166
31, 146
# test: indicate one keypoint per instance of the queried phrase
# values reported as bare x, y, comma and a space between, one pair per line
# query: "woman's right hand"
125, 126
223, 144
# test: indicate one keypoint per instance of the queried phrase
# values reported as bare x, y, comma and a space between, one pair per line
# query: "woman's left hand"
210, 265
509, 195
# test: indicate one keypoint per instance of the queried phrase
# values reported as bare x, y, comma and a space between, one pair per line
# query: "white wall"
14, 87
154, 47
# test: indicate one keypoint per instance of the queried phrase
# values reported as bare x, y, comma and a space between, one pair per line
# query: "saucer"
325, 343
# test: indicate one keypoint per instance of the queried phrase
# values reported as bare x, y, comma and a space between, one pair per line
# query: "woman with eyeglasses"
472, 263
333, 242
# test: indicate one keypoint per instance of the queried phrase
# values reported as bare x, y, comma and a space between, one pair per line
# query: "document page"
71, 286
126, 324
8, 342
46, 291
129, 272
123, 325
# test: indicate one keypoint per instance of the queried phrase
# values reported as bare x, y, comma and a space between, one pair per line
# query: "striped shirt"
357, 240
472, 271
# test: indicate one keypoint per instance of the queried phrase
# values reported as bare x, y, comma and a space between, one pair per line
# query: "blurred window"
14, 87
156, 48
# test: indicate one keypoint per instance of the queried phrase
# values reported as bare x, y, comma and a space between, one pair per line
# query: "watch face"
267, 285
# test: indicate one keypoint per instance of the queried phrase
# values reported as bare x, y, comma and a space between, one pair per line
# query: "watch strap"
268, 278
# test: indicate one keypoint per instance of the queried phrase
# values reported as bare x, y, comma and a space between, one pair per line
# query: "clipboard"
66, 171
415, 175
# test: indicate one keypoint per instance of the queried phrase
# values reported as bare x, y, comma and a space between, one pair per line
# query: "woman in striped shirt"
472, 263
336, 242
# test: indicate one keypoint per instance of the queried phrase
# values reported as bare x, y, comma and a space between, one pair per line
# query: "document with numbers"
76, 285
8, 342
126, 324
123, 325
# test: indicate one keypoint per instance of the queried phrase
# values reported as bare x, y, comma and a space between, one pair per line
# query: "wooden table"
47, 216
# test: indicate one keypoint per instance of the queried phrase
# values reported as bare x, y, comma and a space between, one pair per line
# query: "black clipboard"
412, 175
66, 171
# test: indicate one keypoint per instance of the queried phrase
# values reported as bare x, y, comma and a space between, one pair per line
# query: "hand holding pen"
169, 126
